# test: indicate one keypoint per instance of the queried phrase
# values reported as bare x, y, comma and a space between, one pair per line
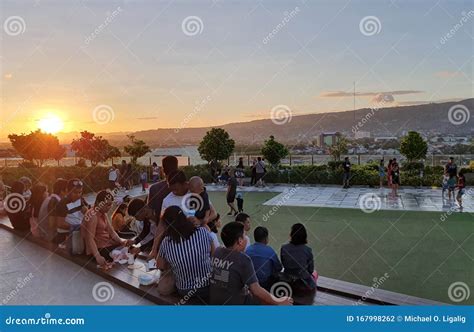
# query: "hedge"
96, 178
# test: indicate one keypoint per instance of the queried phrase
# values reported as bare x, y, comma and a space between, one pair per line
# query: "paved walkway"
424, 199
32, 275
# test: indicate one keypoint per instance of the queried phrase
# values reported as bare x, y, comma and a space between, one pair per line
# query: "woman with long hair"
187, 251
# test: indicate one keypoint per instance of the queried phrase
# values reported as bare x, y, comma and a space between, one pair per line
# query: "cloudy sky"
132, 65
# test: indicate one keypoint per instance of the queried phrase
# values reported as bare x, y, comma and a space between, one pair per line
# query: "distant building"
328, 139
361, 134
385, 138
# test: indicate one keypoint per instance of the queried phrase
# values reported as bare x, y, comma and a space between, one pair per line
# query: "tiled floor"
371, 199
412, 199
32, 275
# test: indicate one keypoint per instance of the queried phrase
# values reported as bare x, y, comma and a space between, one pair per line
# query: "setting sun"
50, 124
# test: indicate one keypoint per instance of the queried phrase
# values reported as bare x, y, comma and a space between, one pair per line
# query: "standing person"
39, 193
395, 178
461, 189
297, 259
123, 174
143, 179
381, 173
187, 251
389, 173
155, 172
47, 214
20, 217
231, 193
264, 258
157, 194
244, 218
346, 165
113, 177
129, 176
240, 172
451, 169
260, 172
253, 178
240, 202
233, 279
99, 236
452, 180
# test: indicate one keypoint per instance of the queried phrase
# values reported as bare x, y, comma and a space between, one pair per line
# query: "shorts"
461, 192
259, 176
396, 180
230, 198
451, 188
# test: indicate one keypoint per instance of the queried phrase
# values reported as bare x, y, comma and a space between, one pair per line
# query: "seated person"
264, 258
297, 260
213, 228
187, 251
17, 208
47, 213
233, 278
244, 218
97, 232
224, 177
70, 210
203, 208
121, 222
141, 211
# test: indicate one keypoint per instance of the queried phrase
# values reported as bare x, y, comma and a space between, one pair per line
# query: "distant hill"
391, 121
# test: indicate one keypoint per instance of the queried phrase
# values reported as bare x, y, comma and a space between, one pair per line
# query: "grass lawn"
422, 254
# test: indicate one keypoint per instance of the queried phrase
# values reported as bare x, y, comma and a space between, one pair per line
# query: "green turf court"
422, 252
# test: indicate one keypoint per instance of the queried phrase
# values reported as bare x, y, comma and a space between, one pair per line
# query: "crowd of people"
198, 256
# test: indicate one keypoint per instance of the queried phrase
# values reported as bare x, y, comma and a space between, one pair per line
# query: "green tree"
216, 145
93, 148
37, 146
136, 149
274, 151
339, 148
413, 146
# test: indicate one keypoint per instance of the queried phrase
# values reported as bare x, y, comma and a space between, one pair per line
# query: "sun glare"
50, 124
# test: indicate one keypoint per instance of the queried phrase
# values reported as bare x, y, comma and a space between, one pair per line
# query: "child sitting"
203, 207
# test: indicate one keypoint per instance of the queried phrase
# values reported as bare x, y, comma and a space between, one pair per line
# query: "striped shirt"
190, 259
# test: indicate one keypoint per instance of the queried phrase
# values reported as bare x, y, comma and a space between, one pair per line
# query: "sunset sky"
138, 65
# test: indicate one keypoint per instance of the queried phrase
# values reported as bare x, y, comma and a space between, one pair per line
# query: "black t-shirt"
451, 169
206, 206
232, 183
347, 166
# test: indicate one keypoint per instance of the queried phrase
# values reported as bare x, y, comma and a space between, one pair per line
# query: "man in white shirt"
113, 176
260, 171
